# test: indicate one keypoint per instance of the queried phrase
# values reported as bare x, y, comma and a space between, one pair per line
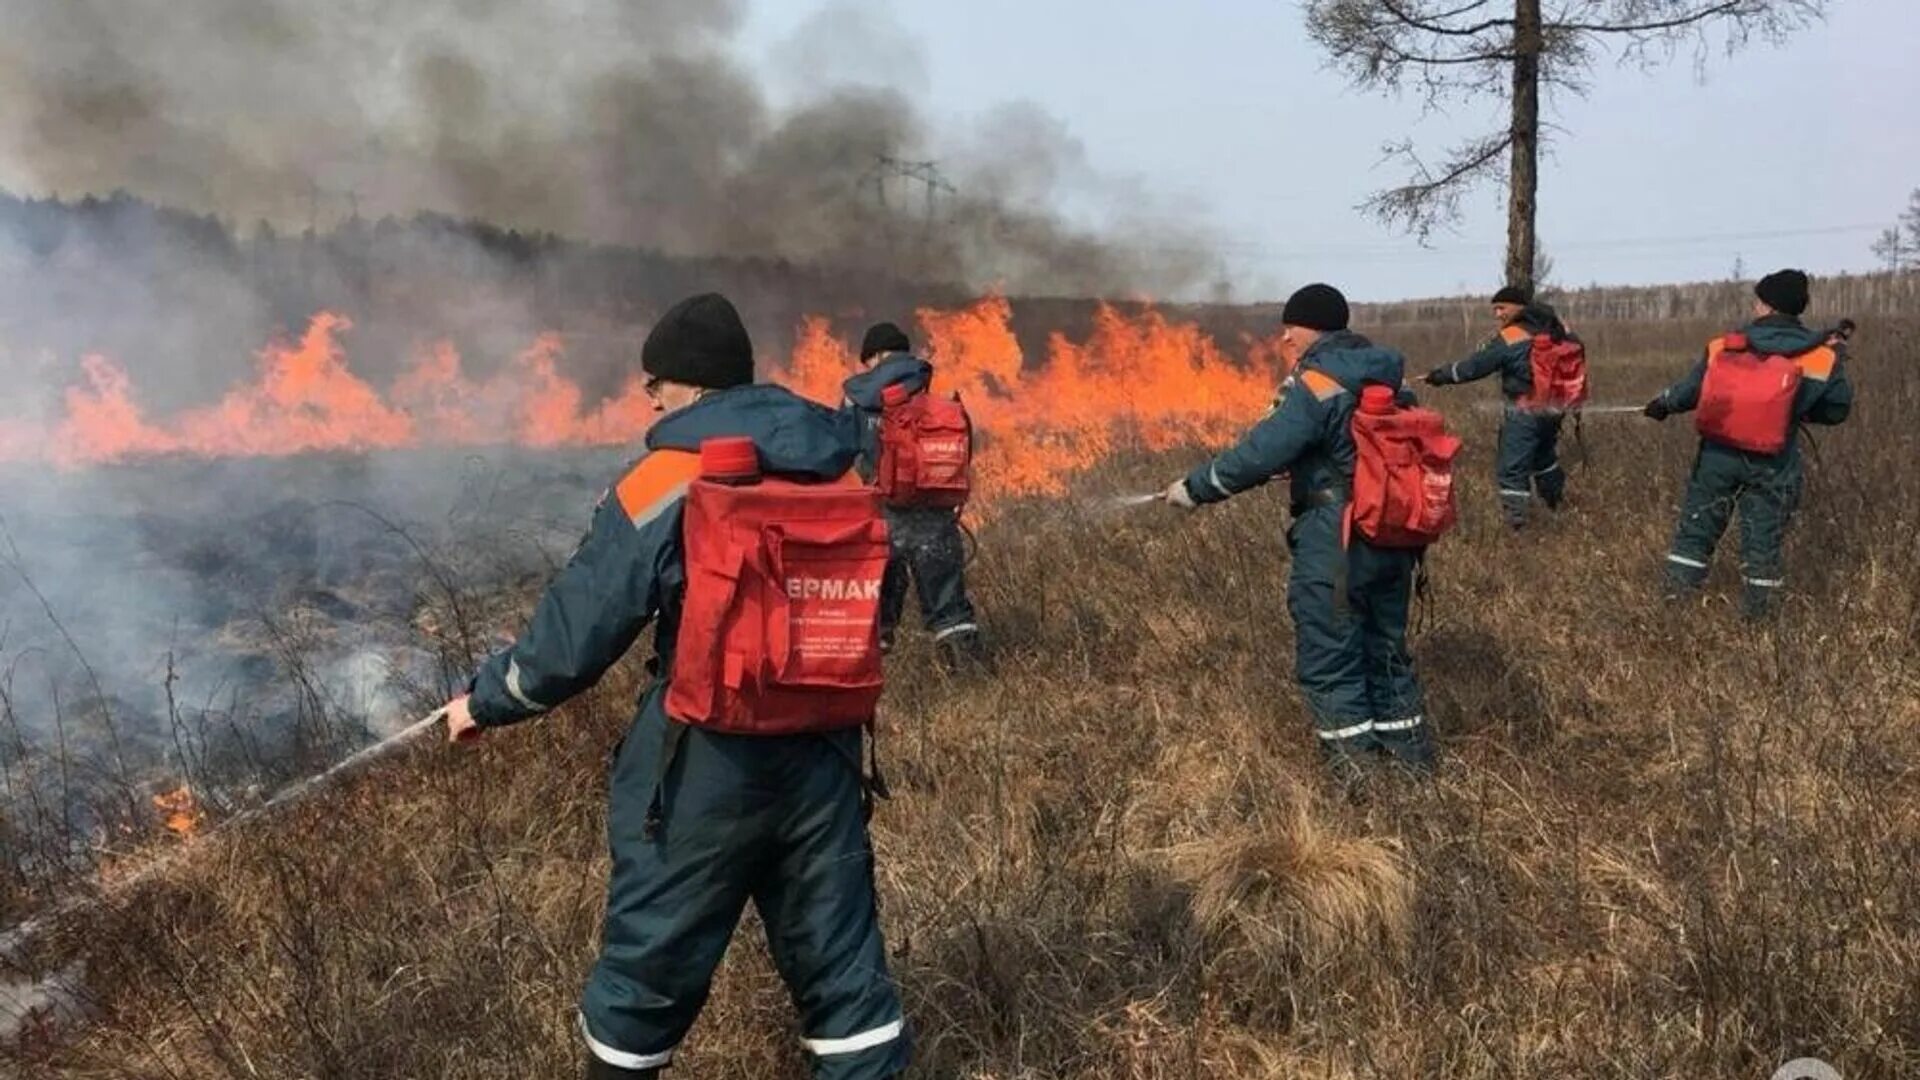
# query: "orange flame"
182, 810
306, 399
820, 363
1138, 380
103, 423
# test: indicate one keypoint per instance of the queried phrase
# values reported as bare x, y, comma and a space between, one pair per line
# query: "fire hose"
22, 933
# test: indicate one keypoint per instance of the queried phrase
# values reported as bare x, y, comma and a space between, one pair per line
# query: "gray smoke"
610, 120
619, 122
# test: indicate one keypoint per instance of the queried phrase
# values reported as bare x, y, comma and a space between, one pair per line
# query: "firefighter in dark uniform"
1349, 600
929, 552
1529, 460
1765, 488
775, 820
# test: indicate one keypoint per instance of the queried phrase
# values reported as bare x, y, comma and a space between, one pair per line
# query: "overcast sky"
1223, 109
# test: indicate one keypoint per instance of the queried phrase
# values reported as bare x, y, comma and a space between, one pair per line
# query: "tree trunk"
1523, 177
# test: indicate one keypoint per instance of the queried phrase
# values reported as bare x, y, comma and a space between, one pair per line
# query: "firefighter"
702, 822
1529, 459
1762, 484
928, 547
1349, 600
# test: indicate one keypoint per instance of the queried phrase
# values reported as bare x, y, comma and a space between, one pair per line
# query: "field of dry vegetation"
1664, 843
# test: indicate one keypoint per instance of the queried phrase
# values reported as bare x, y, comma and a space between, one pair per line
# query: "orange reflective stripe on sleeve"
655, 482
1325, 387
1817, 364
1513, 334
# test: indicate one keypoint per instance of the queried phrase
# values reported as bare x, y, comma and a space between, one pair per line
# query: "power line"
933, 184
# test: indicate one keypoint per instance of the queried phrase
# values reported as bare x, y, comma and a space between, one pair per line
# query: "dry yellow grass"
1664, 843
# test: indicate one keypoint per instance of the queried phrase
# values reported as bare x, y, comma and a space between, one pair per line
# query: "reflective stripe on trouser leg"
620, 1059
1766, 505
1704, 514
818, 905
853, 1044
1514, 506
1409, 740
1549, 480
1682, 570
1407, 724
1514, 465
1758, 596
1329, 654
673, 901
1383, 601
1340, 734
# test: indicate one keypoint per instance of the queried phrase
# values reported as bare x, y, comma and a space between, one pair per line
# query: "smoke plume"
622, 122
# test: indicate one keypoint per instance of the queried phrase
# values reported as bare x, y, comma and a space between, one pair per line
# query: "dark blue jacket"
1309, 430
1510, 353
629, 570
1825, 395
863, 399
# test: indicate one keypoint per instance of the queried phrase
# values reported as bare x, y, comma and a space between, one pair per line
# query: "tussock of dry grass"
1663, 844
1285, 894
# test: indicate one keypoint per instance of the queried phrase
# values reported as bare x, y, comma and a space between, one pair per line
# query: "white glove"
1176, 495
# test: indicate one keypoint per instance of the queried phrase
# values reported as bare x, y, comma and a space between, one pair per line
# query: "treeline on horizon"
427, 268
184, 299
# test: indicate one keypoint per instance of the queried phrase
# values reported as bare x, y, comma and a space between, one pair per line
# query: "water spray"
1128, 502
1584, 410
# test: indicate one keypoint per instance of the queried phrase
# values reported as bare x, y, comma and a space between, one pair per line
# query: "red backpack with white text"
779, 629
1402, 473
926, 450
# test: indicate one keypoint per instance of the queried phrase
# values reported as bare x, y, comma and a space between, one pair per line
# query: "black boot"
965, 654
1758, 603
1678, 590
1413, 752
1348, 770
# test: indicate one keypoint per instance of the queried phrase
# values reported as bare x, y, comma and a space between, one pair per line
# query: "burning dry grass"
1141, 378
1665, 843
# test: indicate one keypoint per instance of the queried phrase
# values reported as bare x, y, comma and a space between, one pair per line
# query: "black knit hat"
1785, 291
1512, 294
884, 338
1316, 307
700, 342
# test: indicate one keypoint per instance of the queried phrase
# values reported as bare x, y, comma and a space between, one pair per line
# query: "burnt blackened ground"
231, 624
